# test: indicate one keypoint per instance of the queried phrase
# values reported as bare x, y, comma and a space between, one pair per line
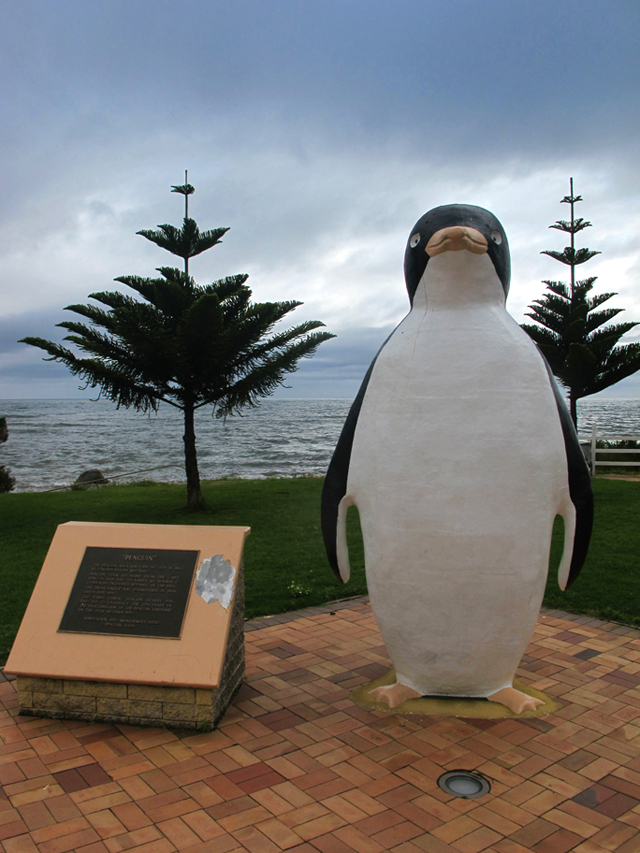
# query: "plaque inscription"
140, 592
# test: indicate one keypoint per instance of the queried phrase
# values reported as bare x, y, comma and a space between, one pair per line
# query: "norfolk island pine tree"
580, 349
184, 344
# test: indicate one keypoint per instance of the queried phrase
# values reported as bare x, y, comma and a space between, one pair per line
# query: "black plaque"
140, 592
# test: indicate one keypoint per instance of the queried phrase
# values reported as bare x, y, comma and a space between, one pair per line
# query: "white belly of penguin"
458, 468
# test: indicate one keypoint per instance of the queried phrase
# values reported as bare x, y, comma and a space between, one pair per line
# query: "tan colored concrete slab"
195, 660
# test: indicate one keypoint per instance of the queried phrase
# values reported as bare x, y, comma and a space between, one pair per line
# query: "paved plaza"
295, 765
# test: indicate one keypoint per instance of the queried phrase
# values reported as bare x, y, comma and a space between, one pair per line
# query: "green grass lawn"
609, 584
285, 563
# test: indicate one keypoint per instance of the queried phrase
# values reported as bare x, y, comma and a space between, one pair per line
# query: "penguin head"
456, 227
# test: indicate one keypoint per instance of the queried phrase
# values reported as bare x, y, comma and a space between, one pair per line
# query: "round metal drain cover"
463, 783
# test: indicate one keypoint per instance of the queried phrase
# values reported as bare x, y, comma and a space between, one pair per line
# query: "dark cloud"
463, 75
36, 323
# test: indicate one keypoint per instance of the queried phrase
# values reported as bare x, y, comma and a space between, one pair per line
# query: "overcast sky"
319, 131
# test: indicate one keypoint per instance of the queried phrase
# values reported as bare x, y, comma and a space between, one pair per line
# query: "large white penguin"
458, 453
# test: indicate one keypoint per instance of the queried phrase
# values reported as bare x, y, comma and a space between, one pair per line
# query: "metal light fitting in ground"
464, 783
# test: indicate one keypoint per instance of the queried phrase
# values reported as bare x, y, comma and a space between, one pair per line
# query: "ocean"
51, 442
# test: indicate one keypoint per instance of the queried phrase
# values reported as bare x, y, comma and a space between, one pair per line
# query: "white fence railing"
593, 460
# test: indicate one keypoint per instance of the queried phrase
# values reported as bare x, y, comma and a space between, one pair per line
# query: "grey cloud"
35, 323
318, 131
452, 78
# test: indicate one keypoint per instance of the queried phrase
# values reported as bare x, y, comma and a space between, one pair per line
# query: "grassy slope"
286, 567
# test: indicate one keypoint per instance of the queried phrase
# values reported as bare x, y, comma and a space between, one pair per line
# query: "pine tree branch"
605, 339
558, 305
571, 257
571, 227
599, 299
541, 335
265, 378
185, 242
114, 382
548, 319
622, 362
168, 296
595, 319
559, 288
230, 286
183, 189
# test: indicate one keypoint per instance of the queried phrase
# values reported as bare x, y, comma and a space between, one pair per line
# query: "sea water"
51, 442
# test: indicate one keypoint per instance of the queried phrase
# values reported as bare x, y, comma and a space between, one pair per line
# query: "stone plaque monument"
137, 624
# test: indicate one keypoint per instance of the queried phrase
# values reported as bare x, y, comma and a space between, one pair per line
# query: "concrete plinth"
187, 682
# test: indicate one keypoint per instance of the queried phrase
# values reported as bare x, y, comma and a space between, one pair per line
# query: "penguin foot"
515, 700
394, 694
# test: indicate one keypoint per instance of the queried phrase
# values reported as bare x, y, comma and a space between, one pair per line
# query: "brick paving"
296, 766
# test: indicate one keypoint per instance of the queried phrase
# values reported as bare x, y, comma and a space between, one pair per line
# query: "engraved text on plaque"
136, 591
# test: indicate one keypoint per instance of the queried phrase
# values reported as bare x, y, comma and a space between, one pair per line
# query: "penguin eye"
496, 236
413, 242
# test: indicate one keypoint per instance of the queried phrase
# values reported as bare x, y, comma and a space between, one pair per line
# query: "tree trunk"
573, 409
195, 500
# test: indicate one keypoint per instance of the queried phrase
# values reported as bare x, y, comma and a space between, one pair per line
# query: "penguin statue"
458, 452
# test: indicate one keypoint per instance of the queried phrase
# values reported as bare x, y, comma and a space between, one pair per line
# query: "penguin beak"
455, 239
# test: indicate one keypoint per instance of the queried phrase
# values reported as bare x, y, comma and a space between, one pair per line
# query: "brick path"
297, 766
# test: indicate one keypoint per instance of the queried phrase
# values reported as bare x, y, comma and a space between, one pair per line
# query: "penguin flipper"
335, 501
578, 515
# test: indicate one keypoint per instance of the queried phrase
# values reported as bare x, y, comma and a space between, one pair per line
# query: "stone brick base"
142, 704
